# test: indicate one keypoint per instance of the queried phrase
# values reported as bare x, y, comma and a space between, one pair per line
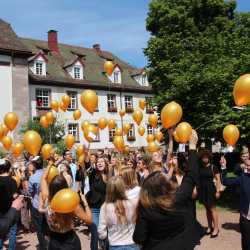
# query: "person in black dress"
164, 217
209, 191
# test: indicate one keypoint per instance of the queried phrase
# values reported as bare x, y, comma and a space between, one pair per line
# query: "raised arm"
170, 145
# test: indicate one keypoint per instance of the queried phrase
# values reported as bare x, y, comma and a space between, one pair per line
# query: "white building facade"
51, 70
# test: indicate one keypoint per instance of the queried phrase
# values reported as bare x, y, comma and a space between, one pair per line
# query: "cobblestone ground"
229, 237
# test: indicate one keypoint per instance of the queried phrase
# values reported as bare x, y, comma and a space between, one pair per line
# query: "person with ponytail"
117, 221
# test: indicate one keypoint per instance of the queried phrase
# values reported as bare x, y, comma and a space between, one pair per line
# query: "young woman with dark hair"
164, 218
62, 235
8, 192
117, 220
209, 191
98, 178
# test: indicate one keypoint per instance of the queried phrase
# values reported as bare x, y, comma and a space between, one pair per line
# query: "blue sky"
119, 26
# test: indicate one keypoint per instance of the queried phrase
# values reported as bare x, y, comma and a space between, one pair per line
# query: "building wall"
67, 117
5, 85
20, 91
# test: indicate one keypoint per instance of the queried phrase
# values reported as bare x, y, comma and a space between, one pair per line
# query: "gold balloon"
50, 118
152, 147
122, 112
126, 149
69, 141
176, 137
43, 121
5, 129
119, 144
102, 123
85, 125
137, 116
158, 136
11, 120
65, 201
184, 131
109, 67
80, 150
7, 142
150, 138
141, 130
111, 124
89, 100
241, 90
77, 114
231, 134
118, 131
17, 180
63, 107
142, 104
47, 149
32, 142
171, 114
126, 128
81, 160
54, 106
2, 132
90, 133
17, 149
66, 100
53, 172
153, 120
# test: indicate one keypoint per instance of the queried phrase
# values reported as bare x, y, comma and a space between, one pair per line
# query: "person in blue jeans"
12, 238
96, 196
34, 191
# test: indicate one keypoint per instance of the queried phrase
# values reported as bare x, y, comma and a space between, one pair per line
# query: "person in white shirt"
117, 221
131, 182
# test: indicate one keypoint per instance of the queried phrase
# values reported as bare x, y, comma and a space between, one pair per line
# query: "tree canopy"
197, 50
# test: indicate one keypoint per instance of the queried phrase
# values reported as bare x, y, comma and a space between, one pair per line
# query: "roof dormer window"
39, 68
77, 72
116, 77
144, 80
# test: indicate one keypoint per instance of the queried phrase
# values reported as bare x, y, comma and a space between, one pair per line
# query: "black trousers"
64, 241
245, 233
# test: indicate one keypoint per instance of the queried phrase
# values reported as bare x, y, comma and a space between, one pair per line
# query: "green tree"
197, 49
51, 135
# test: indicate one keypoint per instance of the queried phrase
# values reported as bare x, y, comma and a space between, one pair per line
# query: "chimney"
52, 41
97, 47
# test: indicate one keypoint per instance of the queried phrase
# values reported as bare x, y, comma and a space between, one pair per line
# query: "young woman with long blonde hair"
117, 220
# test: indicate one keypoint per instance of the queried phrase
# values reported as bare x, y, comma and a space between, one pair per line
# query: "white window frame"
144, 80
131, 132
111, 134
148, 103
73, 101
77, 72
116, 76
128, 100
150, 129
111, 101
73, 129
39, 70
44, 95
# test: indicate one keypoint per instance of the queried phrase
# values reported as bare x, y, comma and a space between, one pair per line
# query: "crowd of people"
127, 202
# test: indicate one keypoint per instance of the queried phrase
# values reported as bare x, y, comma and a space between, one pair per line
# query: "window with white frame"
116, 76
74, 101
149, 106
73, 129
97, 138
144, 80
43, 98
150, 129
39, 68
111, 102
128, 102
111, 134
131, 132
77, 72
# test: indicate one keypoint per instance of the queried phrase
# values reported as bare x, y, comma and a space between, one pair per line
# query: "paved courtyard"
229, 238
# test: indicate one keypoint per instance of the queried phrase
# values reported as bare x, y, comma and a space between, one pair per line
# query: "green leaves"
197, 51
